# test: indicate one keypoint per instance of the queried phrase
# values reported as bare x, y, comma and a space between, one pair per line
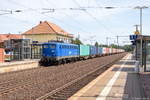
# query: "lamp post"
107, 40
141, 15
141, 12
137, 30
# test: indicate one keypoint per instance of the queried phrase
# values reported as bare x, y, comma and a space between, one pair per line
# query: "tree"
127, 48
114, 46
76, 41
102, 45
96, 44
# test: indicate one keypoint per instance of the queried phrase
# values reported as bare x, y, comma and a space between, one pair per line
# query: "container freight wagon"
107, 51
120, 50
84, 51
99, 51
104, 50
116, 51
111, 50
93, 52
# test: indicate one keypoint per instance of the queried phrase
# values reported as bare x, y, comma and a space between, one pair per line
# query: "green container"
84, 50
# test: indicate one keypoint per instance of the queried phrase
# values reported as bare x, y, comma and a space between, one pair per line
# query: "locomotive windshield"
52, 46
45, 46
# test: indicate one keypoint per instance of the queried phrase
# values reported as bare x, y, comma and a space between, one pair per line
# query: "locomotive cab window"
45, 46
52, 46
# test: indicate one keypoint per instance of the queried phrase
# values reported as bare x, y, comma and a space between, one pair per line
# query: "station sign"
133, 37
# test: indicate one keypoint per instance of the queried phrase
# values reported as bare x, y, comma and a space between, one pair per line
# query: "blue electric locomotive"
56, 53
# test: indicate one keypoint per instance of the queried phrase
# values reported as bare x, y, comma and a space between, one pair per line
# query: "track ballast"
58, 82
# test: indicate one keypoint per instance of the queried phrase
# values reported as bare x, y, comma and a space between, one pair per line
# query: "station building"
28, 45
5, 37
142, 52
4, 55
47, 31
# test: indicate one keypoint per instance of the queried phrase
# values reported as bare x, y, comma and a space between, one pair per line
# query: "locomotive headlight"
52, 51
69, 52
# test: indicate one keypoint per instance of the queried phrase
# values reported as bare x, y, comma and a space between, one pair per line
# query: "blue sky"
94, 24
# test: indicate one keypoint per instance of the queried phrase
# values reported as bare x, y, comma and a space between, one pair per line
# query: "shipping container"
100, 50
84, 50
97, 48
113, 50
93, 50
104, 50
1, 55
107, 50
110, 50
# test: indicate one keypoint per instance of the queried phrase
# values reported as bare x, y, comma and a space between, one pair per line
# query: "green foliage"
76, 41
127, 48
114, 46
102, 45
96, 44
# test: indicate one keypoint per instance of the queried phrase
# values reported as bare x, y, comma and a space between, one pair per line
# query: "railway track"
31, 84
66, 91
12, 85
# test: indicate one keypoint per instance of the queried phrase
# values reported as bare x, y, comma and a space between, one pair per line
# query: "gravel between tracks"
33, 83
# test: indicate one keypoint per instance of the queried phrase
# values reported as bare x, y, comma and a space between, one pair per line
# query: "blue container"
93, 50
100, 49
59, 50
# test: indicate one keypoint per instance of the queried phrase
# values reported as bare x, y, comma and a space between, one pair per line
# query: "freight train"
61, 53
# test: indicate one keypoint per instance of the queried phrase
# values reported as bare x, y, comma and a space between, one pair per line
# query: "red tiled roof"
4, 37
47, 28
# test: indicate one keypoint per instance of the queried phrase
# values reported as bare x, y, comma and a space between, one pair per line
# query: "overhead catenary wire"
4, 12
86, 8
82, 9
93, 17
73, 8
80, 25
56, 19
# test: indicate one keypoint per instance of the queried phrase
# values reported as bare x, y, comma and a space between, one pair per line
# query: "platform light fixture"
141, 15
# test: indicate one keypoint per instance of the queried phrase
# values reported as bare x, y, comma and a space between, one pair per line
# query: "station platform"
18, 65
119, 82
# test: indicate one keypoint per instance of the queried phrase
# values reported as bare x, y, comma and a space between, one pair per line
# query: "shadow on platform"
97, 96
124, 69
145, 81
127, 63
133, 88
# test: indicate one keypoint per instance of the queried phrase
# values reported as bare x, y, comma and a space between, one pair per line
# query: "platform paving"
145, 80
119, 82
